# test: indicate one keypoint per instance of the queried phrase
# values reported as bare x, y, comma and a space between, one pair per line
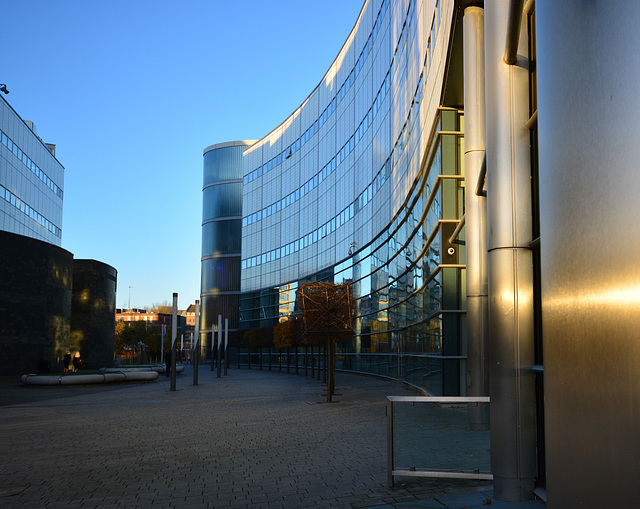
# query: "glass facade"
409, 289
31, 180
221, 238
500, 298
365, 184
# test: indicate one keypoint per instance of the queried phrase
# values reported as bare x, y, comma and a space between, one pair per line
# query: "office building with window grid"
31, 180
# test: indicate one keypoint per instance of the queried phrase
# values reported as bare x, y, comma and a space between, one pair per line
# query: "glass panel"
221, 237
221, 201
221, 274
223, 164
437, 437
225, 305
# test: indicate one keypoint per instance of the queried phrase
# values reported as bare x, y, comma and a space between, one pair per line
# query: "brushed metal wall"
589, 139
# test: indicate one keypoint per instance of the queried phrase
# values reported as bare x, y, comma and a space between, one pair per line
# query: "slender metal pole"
219, 349
174, 337
196, 345
213, 344
226, 344
163, 329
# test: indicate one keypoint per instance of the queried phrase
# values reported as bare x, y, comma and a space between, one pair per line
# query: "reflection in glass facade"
459, 264
364, 184
221, 238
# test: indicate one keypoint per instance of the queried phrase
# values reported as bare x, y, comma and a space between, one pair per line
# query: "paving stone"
252, 439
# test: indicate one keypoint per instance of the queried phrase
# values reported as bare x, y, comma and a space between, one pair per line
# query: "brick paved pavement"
252, 439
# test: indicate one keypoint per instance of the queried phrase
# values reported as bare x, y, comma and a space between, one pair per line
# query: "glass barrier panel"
439, 437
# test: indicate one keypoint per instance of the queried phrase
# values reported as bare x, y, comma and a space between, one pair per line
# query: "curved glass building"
462, 165
364, 183
221, 238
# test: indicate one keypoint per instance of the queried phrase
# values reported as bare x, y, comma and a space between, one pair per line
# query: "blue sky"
131, 92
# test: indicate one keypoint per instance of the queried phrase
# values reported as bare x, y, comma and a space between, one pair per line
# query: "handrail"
533, 121
529, 6
439, 399
482, 178
456, 232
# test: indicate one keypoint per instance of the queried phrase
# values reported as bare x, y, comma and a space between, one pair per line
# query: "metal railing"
438, 433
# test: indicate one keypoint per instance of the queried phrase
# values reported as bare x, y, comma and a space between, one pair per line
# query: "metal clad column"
588, 111
475, 215
513, 437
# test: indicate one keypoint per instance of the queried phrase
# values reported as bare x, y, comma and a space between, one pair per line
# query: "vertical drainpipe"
509, 220
475, 216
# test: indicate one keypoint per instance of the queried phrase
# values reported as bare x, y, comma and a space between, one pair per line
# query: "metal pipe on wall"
510, 262
475, 216
513, 31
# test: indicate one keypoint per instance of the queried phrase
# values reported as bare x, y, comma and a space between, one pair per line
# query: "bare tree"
327, 316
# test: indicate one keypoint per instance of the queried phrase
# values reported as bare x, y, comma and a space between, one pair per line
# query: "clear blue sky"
131, 92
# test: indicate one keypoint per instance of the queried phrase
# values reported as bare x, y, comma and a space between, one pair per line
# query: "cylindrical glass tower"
221, 238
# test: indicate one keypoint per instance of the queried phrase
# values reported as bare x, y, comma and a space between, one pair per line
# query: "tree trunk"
331, 370
325, 372
313, 373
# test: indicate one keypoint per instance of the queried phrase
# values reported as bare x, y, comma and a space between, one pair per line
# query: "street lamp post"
132, 336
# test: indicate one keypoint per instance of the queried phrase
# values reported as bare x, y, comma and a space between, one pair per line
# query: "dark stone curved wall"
35, 304
93, 313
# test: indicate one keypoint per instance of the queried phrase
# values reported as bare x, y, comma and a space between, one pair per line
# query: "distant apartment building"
160, 321
190, 315
156, 318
